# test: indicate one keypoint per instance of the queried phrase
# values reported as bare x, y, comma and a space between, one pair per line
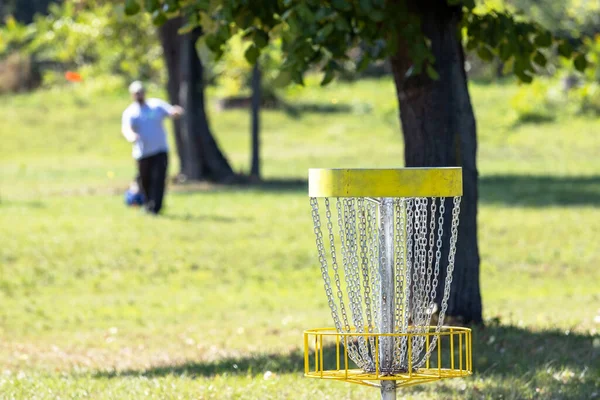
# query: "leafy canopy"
316, 33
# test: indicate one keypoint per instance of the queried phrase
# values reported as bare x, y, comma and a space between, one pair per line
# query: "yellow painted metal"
326, 347
401, 182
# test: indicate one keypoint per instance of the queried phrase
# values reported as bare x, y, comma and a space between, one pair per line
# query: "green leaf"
252, 53
244, 19
261, 38
329, 75
519, 68
305, 13
580, 62
504, 51
525, 78
325, 31
543, 39
324, 14
485, 53
341, 5
212, 42
151, 5
432, 73
282, 79
172, 5
540, 59
366, 6
132, 7
565, 49
472, 44
508, 66
363, 63
469, 4
298, 77
377, 15
341, 24
158, 18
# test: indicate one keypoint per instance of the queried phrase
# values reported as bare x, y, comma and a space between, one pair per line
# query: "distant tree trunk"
439, 129
25, 10
256, 97
200, 156
171, 44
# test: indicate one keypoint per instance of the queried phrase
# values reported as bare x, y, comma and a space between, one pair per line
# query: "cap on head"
136, 87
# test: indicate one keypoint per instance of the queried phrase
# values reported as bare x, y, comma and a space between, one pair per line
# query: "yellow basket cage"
326, 357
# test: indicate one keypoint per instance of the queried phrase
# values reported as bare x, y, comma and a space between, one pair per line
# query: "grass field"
99, 301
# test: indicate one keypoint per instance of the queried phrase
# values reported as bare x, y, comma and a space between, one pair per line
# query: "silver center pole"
386, 323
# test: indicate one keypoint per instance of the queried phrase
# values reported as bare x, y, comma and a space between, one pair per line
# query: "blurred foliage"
568, 18
90, 37
566, 89
320, 33
232, 73
532, 103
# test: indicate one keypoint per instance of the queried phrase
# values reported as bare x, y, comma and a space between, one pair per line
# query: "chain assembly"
358, 234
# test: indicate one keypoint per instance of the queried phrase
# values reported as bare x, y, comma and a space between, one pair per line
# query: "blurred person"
142, 125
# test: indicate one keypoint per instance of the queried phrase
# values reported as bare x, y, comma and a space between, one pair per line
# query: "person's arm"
176, 111
127, 129
172, 111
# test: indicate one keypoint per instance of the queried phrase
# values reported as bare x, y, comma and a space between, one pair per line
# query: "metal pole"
386, 323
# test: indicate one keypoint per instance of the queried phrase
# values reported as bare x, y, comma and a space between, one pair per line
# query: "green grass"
100, 301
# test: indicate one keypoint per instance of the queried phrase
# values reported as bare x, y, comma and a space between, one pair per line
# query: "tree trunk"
171, 44
439, 130
255, 112
199, 154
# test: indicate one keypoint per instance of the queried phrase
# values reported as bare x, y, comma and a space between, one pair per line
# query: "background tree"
24, 10
199, 154
424, 40
255, 122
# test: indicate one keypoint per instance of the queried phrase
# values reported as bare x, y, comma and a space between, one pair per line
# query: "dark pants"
153, 173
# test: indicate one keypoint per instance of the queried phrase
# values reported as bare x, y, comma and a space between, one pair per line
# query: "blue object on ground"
134, 198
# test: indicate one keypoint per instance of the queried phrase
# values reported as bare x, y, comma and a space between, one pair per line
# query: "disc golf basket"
386, 241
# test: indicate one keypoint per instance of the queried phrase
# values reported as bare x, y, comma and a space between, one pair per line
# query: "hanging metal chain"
450, 268
352, 351
335, 267
364, 262
401, 312
374, 261
451, 256
323, 260
417, 252
430, 301
354, 279
419, 271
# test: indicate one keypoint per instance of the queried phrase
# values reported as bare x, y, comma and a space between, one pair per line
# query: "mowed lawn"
99, 301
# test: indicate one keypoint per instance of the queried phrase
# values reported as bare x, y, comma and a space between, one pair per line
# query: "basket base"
450, 358
422, 375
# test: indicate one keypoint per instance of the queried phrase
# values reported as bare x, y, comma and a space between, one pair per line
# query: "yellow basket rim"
385, 182
444, 330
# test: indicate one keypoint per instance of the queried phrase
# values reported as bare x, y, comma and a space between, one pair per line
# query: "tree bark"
255, 117
170, 41
199, 154
439, 130
206, 160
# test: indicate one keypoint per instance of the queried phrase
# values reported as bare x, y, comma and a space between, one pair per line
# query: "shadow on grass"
24, 203
504, 358
540, 190
203, 218
513, 190
297, 110
277, 185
